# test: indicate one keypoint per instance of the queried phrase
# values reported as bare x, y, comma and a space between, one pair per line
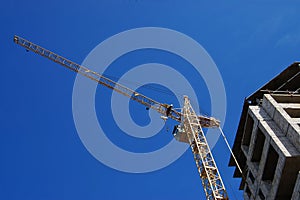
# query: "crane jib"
148, 102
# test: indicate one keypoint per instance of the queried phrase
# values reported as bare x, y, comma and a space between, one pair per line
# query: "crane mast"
206, 165
189, 131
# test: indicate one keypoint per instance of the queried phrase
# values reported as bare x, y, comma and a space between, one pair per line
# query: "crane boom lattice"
148, 102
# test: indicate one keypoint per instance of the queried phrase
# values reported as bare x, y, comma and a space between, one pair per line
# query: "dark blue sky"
42, 156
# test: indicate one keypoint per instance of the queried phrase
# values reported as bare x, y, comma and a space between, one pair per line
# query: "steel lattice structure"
206, 165
192, 124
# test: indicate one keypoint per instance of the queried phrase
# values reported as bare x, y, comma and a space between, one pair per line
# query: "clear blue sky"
41, 154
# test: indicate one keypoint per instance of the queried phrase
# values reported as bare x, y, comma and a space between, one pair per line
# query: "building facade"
267, 143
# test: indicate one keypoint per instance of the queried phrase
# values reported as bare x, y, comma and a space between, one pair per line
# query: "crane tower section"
190, 131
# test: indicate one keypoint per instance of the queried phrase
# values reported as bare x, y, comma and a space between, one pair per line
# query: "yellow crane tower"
189, 130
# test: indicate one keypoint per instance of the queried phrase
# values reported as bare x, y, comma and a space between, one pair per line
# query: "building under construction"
267, 142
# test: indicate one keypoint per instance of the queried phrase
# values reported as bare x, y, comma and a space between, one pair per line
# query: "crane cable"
149, 87
232, 154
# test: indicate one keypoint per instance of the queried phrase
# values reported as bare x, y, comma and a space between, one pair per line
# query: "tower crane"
189, 129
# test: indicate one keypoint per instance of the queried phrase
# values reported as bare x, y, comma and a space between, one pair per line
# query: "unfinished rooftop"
267, 143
